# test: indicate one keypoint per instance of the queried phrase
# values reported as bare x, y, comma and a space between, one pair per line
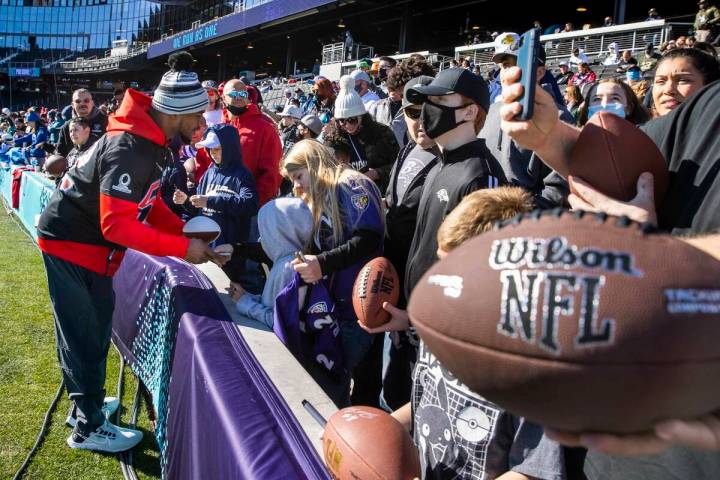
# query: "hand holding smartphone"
527, 60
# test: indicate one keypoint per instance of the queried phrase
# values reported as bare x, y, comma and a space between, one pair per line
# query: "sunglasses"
349, 121
413, 113
235, 94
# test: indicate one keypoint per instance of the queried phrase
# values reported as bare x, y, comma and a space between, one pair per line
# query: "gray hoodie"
285, 226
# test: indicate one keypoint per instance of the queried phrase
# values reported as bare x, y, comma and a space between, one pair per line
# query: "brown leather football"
610, 155
365, 443
55, 165
578, 321
377, 282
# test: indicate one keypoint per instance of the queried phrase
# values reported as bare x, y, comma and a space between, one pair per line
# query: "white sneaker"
110, 406
106, 438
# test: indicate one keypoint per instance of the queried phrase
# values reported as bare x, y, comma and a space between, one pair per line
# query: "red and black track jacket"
110, 200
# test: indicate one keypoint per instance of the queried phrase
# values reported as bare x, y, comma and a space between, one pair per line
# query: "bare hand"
399, 321
640, 209
199, 252
702, 433
309, 270
179, 197
534, 133
199, 201
236, 291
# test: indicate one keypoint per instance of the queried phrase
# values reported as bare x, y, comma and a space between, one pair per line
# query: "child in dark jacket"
226, 193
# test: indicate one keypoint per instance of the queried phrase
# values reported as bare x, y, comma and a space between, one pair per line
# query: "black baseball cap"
420, 81
453, 80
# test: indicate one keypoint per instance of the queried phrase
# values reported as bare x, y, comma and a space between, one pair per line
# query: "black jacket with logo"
461, 171
107, 201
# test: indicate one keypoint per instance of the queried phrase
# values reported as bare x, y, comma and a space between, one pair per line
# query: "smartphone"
527, 60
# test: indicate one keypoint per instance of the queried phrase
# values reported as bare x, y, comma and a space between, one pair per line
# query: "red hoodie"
261, 149
110, 200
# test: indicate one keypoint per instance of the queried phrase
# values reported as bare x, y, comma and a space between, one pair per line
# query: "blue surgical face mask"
615, 108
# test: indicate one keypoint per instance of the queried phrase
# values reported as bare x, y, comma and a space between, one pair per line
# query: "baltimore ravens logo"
319, 307
360, 201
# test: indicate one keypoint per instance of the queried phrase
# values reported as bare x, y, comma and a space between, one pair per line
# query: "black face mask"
236, 110
437, 119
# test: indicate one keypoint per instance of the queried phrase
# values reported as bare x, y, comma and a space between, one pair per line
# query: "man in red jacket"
109, 201
260, 142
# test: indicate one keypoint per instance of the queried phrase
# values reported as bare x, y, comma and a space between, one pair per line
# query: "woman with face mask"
348, 230
373, 147
614, 96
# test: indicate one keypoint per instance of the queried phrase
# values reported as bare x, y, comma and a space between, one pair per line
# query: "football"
610, 155
204, 228
377, 282
55, 165
367, 443
577, 321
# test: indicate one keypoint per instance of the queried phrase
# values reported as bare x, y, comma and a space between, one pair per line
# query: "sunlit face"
216, 154
79, 134
188, 124
286, 121
351, 125
607, 93
235, 94
675, 80
82, 104
199, 131
396, 95
415, 130
301, 181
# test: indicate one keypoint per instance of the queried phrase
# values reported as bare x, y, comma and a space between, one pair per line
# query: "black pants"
83, 303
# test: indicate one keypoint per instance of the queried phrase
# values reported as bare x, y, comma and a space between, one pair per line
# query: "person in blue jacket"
348, 231
37, 133
55, 124
226, 193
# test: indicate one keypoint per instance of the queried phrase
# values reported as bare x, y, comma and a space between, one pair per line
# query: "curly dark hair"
406, 70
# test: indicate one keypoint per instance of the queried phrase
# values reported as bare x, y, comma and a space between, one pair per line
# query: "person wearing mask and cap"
109, 202
310, 127
82, 105
289, 119
260, 142
214, 112
362, 87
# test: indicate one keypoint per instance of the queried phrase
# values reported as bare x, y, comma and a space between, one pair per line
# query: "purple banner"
268, 12
219, 415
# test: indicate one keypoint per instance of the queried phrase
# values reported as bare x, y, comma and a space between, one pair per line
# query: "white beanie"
348, 103
291, 111
180, 91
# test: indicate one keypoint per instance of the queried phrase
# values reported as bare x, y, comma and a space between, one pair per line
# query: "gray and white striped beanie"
180, 91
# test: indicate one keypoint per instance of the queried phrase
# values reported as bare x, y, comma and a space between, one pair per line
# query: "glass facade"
92, 25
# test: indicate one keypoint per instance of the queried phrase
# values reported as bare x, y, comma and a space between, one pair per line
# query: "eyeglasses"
235, 94
349, 121
413, 113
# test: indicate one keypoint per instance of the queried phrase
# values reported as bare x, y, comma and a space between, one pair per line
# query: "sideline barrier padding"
219, 413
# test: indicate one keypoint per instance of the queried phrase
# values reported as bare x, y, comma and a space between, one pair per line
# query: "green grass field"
30, 376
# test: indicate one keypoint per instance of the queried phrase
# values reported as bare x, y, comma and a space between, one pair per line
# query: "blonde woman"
348, 231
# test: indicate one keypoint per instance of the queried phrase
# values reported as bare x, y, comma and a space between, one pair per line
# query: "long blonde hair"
325, 174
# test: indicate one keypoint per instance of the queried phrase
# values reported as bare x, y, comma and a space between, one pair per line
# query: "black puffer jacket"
374, 146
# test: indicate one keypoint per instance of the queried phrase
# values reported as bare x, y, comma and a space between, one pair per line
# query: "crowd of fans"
380, 163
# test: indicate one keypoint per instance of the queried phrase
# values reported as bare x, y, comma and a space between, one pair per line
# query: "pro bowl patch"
360, 201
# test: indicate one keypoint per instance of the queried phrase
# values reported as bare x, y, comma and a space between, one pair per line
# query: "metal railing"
107, 63
337, 53
593, 42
